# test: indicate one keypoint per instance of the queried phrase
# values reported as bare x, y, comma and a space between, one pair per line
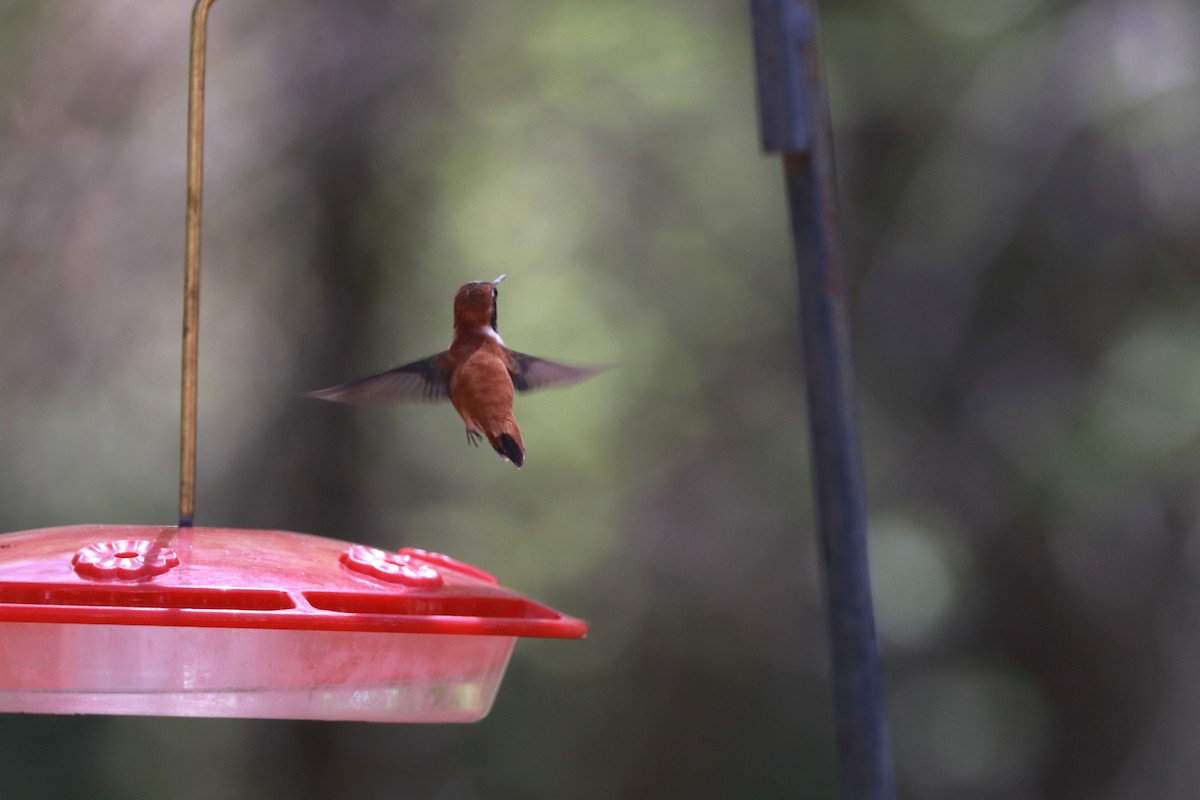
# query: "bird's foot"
474, 437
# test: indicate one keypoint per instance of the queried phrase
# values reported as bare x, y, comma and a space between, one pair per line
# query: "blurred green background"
1021, 206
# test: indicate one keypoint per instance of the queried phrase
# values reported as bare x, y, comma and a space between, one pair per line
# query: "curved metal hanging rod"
191, 264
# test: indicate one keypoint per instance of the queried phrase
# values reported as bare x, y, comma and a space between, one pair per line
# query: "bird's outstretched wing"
530, 372
426, 380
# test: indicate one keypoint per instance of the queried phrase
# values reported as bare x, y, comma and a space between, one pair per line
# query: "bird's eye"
495, 292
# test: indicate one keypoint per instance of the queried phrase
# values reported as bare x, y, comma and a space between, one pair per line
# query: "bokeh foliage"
1020, 191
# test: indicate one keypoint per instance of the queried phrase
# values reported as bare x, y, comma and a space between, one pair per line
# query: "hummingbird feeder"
222, 622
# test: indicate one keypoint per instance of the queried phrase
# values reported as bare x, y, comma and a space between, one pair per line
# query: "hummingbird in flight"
477, 373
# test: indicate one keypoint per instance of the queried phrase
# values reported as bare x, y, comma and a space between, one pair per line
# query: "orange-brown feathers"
477, 374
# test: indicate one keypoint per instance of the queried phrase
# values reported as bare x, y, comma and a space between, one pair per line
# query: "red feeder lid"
232, 622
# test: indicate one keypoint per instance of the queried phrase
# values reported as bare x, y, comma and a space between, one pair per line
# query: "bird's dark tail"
507, 442
511, 450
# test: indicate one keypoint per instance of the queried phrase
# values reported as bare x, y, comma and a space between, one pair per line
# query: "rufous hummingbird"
477, 374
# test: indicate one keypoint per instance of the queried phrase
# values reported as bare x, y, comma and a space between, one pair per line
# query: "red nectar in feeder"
477, 374
219, 622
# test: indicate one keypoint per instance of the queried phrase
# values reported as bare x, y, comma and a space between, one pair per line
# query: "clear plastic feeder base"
218, 672
265, 624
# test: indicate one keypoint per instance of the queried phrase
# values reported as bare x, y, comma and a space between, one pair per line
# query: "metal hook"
191, 264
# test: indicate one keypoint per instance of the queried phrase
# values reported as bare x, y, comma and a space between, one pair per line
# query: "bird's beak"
502, 277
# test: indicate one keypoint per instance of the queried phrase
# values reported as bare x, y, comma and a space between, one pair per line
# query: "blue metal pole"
794, 121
